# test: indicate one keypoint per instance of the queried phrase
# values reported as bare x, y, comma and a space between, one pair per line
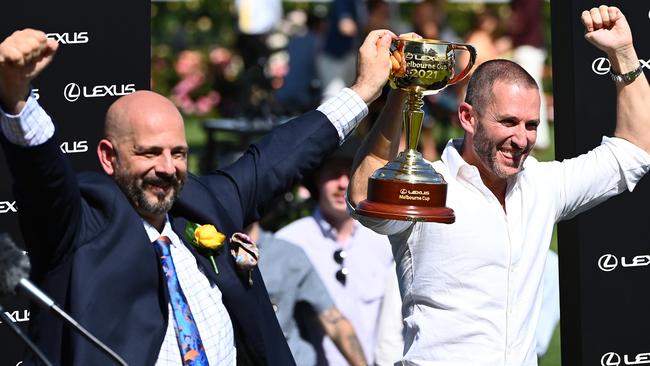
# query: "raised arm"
280, 159
378, 148
608, 30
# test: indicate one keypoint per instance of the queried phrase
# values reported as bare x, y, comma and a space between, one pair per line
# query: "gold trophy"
408, 188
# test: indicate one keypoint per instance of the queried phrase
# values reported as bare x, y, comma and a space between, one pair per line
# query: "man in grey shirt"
290, 279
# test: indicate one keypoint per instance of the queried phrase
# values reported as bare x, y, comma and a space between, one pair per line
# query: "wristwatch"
627, 77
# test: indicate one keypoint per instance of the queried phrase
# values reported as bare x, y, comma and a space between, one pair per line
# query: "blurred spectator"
193, 94
529, 52
484, 37
226, 69
378, 15
337, 64
429, 21
353, 262
257, 21
300, 90
290, 279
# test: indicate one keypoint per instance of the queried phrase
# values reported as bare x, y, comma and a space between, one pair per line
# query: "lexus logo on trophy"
408, 188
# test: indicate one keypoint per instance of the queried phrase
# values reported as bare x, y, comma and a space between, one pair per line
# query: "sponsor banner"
615, 359
604, 256
104, 53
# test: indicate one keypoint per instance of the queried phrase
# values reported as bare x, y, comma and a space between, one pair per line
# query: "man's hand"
607, 29
23, 55
374, 65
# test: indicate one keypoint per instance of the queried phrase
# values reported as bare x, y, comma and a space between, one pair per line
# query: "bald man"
110, 247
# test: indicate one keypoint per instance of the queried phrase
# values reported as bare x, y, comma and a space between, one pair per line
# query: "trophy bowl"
408, 188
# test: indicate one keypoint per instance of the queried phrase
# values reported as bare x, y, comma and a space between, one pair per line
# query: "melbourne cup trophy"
408, 188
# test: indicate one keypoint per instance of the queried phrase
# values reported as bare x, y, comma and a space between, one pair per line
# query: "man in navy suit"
95, 250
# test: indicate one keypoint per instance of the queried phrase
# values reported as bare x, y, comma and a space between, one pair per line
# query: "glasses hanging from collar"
339, 258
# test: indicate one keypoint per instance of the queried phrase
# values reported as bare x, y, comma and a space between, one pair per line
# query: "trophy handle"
472, 59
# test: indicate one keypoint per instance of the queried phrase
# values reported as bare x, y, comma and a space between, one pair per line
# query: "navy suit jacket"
90, 252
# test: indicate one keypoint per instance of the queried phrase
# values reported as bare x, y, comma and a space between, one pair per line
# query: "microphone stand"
36, 294
16, 329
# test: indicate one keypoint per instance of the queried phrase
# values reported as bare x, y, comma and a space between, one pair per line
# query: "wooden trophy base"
399, 200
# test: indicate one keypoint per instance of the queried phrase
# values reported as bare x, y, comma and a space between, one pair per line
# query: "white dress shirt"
472, 290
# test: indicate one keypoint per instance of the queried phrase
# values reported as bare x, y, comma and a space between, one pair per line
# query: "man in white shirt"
472, 290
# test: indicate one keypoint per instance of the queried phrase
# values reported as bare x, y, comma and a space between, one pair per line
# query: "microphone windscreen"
14, 265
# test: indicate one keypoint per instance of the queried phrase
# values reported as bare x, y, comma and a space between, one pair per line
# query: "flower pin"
246, 254
206, 238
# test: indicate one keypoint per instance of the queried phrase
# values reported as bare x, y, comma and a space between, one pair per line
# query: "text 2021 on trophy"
408, 188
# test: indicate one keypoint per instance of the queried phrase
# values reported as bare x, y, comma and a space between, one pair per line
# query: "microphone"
14, 269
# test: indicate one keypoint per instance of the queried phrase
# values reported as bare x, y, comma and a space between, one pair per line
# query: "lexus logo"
601, 65
8, 206
72, 92
607, 263
610, 359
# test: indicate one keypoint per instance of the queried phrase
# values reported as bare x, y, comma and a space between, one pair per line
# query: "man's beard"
487, 153
134, 188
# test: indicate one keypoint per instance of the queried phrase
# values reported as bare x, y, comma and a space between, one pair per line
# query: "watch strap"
627, 77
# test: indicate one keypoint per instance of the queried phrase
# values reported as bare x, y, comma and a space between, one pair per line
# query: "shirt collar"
153, 233
452, 159
327, 229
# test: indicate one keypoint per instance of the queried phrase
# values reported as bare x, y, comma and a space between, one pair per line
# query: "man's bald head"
140, 109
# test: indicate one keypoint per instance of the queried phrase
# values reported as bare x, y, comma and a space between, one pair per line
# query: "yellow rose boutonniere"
206, 238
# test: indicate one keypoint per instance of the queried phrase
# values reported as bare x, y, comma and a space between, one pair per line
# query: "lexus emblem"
72, 92
610, 359
601, 65
607, 263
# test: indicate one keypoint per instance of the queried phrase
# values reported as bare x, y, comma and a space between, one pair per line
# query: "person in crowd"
352, 261
257, 21
483, 35
336, 64
525, 28
137, 254
292, 281
429, 21
472, 290
300, 90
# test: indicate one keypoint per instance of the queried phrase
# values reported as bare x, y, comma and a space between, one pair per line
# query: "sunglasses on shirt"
339, 258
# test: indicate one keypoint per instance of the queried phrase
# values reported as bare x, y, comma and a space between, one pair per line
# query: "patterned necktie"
189, 340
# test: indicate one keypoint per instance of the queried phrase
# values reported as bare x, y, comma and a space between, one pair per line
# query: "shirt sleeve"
31, 127
311, 289
345, 111
380, 226
609, 169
